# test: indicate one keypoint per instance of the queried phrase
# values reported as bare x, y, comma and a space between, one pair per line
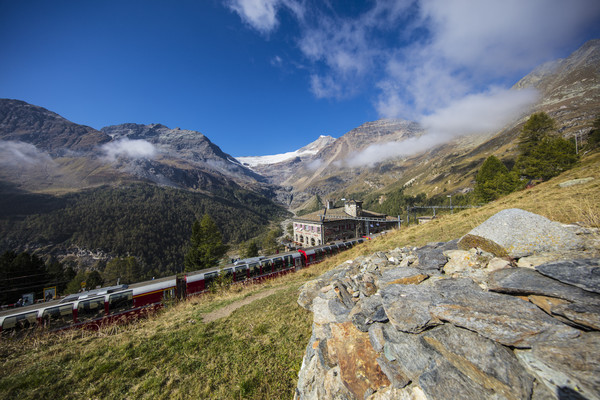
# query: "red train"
106, 305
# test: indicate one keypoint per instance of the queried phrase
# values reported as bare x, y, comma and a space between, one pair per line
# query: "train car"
96, 307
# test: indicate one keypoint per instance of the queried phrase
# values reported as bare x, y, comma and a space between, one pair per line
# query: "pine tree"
494, 180
544, 153
251, 249
206, 245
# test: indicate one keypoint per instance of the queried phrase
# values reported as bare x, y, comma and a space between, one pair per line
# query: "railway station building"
339, 223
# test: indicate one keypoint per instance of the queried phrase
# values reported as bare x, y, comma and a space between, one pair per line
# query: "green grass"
172, 355
256, 352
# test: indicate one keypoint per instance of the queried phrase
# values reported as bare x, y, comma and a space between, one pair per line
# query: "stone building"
341, 223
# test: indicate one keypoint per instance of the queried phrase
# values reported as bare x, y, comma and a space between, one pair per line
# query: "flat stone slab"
351, 350
525, 281
407, 306
574, 182
506, 319
490, 368
581, 273
517, 233
567, 367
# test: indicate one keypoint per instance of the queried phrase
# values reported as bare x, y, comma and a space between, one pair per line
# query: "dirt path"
227, 310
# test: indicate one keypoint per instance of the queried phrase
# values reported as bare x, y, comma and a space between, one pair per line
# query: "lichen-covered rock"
351, 350
517, 233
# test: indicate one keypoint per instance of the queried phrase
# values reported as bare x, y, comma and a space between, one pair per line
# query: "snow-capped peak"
308, 150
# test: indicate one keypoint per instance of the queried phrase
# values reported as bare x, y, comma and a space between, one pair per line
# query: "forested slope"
149, 222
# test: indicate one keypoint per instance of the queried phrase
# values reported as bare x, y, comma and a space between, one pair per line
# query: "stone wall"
510, 311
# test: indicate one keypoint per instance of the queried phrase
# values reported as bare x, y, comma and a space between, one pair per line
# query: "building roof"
334, 214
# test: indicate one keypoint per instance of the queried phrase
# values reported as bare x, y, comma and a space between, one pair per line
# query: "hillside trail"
227, 310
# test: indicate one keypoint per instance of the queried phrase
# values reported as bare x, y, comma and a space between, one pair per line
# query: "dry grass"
255, 352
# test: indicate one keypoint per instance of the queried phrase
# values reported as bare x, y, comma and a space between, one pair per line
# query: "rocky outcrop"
438, 322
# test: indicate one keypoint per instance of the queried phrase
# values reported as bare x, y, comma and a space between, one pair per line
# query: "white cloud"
475, 113
20, 154
126, 148
262, 14
473, 43
435, 61
479, 113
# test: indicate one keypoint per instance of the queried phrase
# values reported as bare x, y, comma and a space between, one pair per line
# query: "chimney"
353, 208
330, 204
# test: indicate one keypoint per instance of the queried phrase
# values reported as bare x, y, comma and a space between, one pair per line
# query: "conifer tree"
544, 153
206, 245
494, 180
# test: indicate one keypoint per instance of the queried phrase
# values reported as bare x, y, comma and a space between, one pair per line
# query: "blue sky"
268, 76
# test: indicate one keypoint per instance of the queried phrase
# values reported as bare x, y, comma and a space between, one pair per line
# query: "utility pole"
451, 209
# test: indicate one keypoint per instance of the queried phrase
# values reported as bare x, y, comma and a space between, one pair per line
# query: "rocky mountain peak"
20, 121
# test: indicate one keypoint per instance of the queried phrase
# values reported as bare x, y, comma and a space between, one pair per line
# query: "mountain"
569, 91
48, 131
71, 192
181, 157
43, 151
306, 152
278, 168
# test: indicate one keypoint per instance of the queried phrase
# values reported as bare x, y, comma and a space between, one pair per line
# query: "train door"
181, 287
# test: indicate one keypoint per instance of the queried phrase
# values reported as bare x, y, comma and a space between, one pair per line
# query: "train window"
278, 263
227, 273
119, 302
267, 266
19, 322
240, 273
287, 261
209, 278
169, 294
254, 270
57, 317
88, 310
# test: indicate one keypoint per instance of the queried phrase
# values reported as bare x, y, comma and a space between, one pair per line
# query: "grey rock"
342, 293
581, 309
442, 382
409, 353
367, 312
524, 281
401, 274
517, 233
486, 363
407, 306
581, 273
574, 182
431, 256
393, 373
567, 366
329, 310
505, 319
376, 337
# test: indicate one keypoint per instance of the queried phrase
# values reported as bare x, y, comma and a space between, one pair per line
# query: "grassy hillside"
256, 352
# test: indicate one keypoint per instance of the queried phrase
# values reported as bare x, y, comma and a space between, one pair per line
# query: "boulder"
517, 233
